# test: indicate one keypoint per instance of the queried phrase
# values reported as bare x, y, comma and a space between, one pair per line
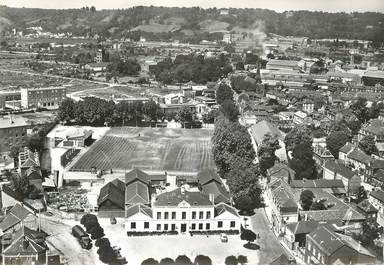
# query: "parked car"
82, 237
223, 237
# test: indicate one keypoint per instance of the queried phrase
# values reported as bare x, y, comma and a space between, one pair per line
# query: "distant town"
189, 138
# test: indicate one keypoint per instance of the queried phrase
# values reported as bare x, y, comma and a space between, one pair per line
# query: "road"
270, 247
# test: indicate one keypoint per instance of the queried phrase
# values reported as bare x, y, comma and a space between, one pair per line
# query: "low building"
376, 198
372, 78
282, 65
375, 128
321, 155
368, 210
333, 186
47, 97
336, 170
299, 117
111, 201
210, 183
16, 217
324, 246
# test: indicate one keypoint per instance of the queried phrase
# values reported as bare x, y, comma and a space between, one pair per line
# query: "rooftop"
175, 197
260, 129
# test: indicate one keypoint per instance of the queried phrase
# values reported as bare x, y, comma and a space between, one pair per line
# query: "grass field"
150, 148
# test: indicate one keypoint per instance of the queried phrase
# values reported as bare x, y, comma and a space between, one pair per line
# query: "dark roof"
358, 155
330, 242
284, 196
282, 260
347, 148
379, 175
222, 208
377, 163
36, 243
113, 191
138, 208
260, 129
317, 183
15, 215
339, 169
218, 190
366, 206
302, 227
137, 192
378, 194
136, 174
208, 175
280, 170
175, 197
14, 194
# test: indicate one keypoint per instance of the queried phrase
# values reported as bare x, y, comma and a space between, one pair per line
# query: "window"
165, 227
201, 215
133, 225
193, 226
193, 215
183, 215
166, 215
208, 215
207, 226
233, 223
173, 227
220, 224
146, 225
158, 227
158, 215
200, 226
173, 215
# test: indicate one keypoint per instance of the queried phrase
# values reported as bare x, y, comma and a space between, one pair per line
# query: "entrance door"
183, 228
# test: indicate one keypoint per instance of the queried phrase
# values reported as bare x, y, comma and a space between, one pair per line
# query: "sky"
278, 5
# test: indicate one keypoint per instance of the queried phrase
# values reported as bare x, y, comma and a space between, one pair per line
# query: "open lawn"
123, 148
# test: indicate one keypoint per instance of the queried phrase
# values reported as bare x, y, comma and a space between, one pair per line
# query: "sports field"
123, 148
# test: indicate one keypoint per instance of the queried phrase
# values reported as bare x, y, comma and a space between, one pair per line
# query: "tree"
150, 261
20, 184
183, 260
266, 152
202, 260
152, 111
360, 109
368, 145
35, 143
106, 254
375, 110
242, 259
299, 134
335, 141
302, 161
231, 260
361, 194
96, 231
306, 199
167, 261
223, 93
185, 115
210, 116
102, 242
318, 205
66, 111
229, 110
248, 235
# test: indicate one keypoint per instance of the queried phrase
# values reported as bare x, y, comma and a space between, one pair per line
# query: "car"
223, 237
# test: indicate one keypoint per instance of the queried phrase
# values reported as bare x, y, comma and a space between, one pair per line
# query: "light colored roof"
282, 62
347, 148
137, 192
138, 208
374, 74
222, 208
175, 197
260, 129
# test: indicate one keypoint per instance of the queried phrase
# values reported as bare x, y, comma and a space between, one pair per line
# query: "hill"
183, 23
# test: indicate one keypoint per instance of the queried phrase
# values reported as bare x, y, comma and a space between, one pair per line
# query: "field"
150, 148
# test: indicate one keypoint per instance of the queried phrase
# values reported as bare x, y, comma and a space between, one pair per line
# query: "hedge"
151, 233
215, 232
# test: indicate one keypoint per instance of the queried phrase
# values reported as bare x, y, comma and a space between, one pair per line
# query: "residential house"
16, 217
111, 200
211, 184
299, 117
321, 155
345, 150
336, 170
282, 65
47, 97
368, 210
376, 198
280, 171
323, 246
332, 186
295, 233
375, 128
284, 208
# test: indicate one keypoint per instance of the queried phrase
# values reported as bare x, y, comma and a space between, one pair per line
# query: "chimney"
182, 189
25, 244
212, 198
10, 119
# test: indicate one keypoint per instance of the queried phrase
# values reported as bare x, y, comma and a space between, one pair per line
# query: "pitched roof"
377, 163
208, 175
222, 208
282, 260
366, 206
379, 175
280, 170
218, 190
358, 155
137, 192
138, 208
339, 168
378, 194
283, 194
347, 148
136, 174
15, 215
302, 227
113, 191
175, 197
260, 129
317, 183
26, 242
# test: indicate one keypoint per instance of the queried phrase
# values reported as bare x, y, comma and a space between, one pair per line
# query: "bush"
202, 260
96, 232
231, 260
242, 259
167, 261
215, 232
183, 260
150, 261
88, 221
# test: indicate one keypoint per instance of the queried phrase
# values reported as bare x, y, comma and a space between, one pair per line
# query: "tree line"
233, 153
196, 68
